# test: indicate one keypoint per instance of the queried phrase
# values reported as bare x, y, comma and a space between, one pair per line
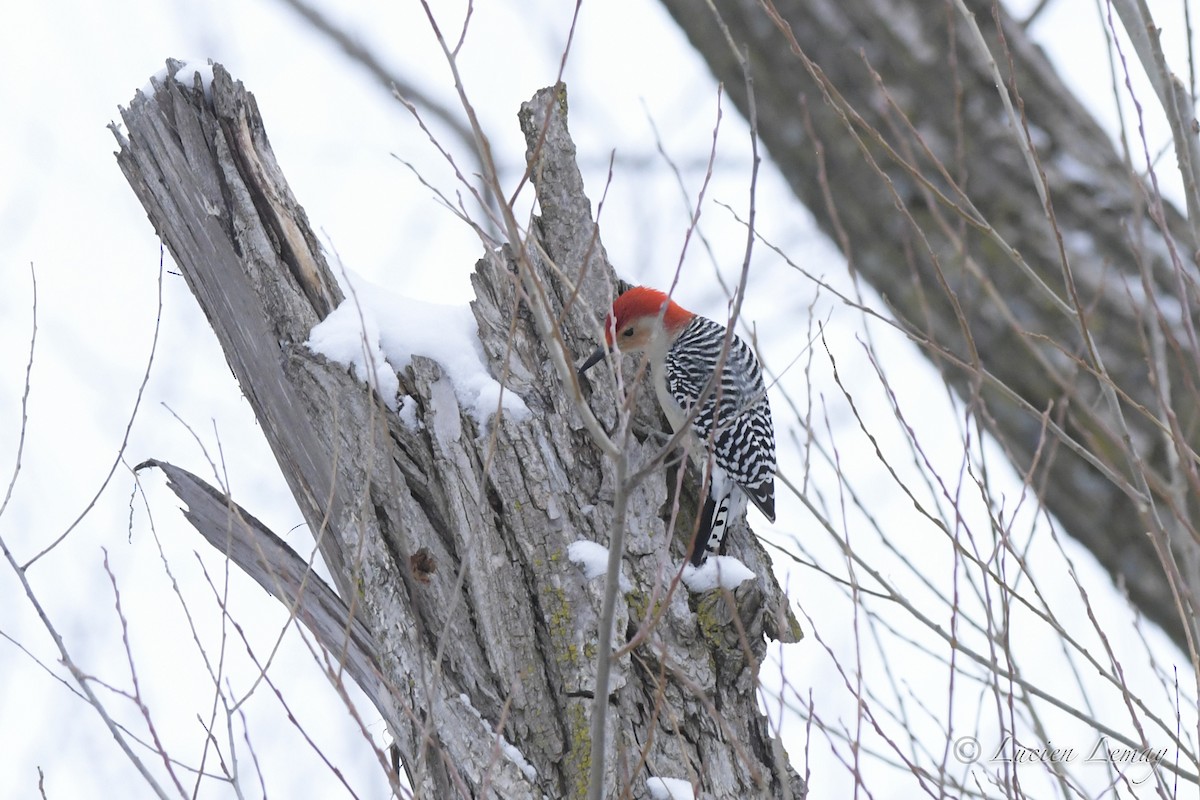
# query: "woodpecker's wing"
735, 417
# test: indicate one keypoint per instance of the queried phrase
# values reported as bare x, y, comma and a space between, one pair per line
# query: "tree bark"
459, 609
909, 73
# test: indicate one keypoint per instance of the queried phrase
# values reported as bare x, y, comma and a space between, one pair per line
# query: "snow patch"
518, 758
514, 755
670, 789
184, 75
592, 558
352, 340
376, 333
724, 571
407, 412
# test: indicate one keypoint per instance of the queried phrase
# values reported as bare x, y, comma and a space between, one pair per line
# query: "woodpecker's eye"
627, 332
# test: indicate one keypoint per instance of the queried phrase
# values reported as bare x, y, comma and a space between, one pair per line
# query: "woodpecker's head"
640, 318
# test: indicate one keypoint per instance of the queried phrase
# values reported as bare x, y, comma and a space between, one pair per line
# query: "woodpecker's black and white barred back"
734, 418
731, 426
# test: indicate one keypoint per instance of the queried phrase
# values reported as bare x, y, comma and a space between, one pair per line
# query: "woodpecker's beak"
592, 360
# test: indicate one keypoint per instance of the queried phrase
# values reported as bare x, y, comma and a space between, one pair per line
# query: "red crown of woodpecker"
642, 301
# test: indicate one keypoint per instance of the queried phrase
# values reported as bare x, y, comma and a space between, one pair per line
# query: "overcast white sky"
66, 210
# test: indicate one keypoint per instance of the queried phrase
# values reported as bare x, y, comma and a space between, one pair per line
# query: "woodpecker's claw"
592, 360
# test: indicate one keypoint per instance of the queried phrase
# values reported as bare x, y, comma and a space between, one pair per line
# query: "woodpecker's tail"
714, 525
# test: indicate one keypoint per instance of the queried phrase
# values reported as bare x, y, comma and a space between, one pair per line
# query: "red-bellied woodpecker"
730, 417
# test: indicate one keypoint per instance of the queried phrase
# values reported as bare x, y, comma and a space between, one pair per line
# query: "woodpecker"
732, 422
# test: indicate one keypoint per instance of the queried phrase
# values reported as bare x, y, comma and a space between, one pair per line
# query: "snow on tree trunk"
450, 543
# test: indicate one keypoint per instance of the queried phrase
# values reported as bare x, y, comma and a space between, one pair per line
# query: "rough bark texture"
905, 63
449, 543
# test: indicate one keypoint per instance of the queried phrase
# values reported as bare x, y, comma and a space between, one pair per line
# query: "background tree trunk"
459, 610
910, 74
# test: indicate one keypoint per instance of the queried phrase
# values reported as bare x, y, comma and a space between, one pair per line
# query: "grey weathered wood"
498, 624
1100, 207
211, 187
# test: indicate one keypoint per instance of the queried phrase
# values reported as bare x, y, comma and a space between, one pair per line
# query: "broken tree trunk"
456, 605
